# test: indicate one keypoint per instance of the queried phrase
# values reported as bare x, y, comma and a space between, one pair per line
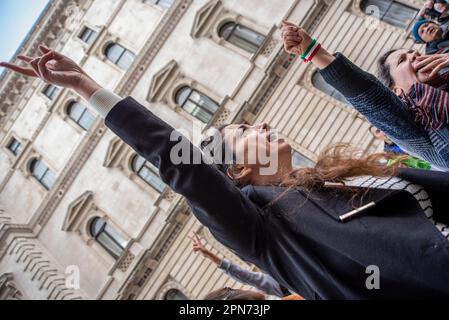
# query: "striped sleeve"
430, 106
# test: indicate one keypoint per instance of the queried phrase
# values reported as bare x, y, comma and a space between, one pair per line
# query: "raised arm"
366, 93
258, 280
215, 201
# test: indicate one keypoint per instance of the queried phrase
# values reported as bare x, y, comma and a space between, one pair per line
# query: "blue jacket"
387, 112
300, 240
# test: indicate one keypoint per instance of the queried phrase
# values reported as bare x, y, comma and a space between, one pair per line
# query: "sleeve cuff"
103, 101
225, 264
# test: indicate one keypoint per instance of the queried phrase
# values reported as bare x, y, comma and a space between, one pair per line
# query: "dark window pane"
48, 180
110, 245
88, 35
96, 226
51, 92
227, 30
38, 169
15, 146
108, 237
126, 60
242, 37
116, 236
148, 173
164, 3
87, 120
175, 294
75, 111
114, 52
138, 163
197, 104
183, 95
390, 11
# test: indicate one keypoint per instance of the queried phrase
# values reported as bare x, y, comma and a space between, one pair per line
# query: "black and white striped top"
395, 183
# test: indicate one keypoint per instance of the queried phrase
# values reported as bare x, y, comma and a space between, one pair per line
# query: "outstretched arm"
216, 202
258, 280
366, 93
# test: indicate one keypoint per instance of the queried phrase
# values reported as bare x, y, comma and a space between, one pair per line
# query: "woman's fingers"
293, 38
22, 70
436, 71
429, 66
44, 49
424, 63
289, 24
42, 65
25, 58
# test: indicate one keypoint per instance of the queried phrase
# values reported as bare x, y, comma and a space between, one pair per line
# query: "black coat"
300, 240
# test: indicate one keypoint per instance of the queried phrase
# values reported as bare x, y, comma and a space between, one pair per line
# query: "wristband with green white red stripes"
313, 52
309, 49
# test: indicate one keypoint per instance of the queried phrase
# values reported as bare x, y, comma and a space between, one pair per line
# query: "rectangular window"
15, 146
51, 91
88, 35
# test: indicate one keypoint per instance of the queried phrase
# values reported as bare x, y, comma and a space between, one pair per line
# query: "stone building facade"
81, 215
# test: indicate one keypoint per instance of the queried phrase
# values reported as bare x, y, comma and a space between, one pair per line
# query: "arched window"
390, 11
162, 3
301, 161
119, 55
107, 237
81, 115
175, 294
241, 36
42, 174
197, 104
319, 83
148, 173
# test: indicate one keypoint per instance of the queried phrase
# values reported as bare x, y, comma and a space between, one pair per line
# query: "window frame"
146, 164
404, 26
91, 31
77, 122
193, 90
54, 92
33, 162
102, 230
14, 151
125, 50
233, 33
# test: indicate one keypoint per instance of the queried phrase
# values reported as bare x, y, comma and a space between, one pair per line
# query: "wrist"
86, 87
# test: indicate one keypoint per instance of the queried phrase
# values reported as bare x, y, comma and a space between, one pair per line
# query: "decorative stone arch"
166, 83
170, 285
213, 15
103, 40
78, 211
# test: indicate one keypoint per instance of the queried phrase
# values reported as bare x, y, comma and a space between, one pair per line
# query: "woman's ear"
398, 91
240, 173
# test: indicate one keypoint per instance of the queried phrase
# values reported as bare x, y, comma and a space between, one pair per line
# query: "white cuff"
103, 101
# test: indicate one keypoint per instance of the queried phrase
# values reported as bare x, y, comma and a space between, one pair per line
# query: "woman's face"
402, 64
257, 146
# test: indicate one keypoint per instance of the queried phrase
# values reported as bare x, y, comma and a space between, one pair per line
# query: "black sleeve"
215, 201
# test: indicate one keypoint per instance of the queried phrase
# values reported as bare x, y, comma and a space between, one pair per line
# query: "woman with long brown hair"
350, 228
